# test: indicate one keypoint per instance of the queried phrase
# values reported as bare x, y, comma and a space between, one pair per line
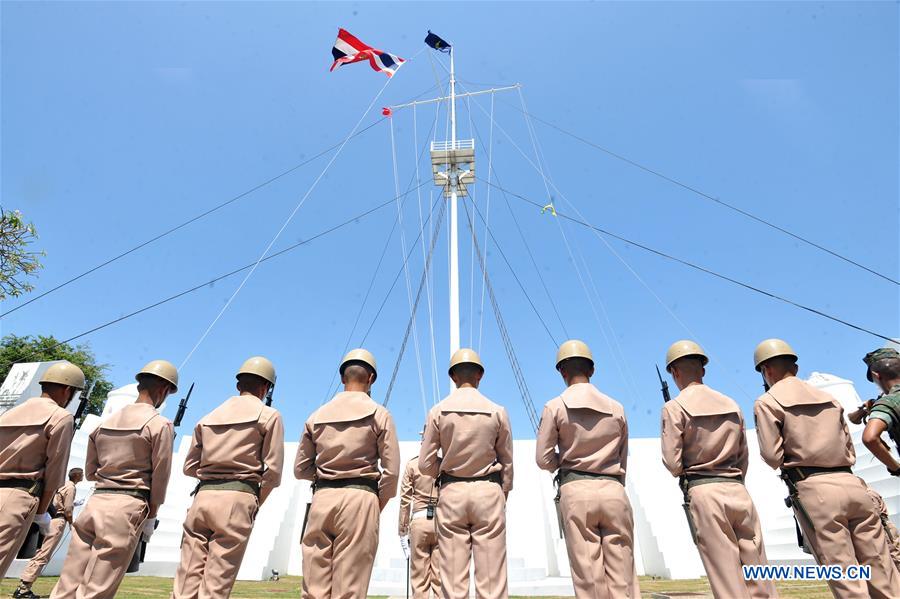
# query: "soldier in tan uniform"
705, 445
237, 454
63, 505
130, 458
418, 494
801, 430
583, 436
35, 438
475, 474
342, 445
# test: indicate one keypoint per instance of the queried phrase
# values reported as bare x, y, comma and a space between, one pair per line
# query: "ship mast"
453, 166
454, 220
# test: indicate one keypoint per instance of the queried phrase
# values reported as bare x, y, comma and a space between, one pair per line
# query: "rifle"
269, 395
665, 387
83, 404
140, 551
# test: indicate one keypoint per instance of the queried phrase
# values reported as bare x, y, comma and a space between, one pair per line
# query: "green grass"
145, 587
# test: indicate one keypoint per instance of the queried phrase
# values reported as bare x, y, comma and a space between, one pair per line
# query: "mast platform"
449, 159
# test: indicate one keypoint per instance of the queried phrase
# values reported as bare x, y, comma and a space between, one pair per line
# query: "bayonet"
182, 407
269, 395
83, 403
664, 386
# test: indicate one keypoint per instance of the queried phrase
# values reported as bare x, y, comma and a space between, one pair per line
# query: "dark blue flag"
436, 42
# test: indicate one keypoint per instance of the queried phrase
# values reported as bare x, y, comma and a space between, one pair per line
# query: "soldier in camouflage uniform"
883, 369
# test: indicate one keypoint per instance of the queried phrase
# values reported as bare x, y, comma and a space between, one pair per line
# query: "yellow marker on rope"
551, 207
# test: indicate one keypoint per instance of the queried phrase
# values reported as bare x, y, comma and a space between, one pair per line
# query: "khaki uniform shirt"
590, 430
347, 438
417, 490
243, 439
799, 425
64, 500
132, 449
472, 434
35, 439
703, 433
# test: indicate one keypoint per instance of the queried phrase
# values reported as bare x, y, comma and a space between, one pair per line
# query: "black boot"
23, 591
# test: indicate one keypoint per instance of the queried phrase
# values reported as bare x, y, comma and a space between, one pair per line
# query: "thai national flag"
348, 48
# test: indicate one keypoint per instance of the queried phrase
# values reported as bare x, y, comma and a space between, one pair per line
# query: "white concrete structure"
537, 556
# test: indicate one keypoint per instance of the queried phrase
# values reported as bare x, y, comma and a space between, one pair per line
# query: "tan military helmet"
259, 366
464, 356
359, 355
162, 369
684, 348
64, 373
573, 348
771, 348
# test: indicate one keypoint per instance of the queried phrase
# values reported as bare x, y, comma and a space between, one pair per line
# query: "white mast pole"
454, 234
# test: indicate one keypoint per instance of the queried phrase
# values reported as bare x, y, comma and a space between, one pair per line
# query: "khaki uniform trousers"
893, 535
340, 543
599, 533
471, 521
17, 509
104, 537
216, 531
424, 558
43, 555
729, 536
848, 531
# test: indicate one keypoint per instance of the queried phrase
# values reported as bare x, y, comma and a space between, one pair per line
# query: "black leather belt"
139, 493
227, 485
567, 476
693, 480
445, 478
32, 487
365, 484
799, 473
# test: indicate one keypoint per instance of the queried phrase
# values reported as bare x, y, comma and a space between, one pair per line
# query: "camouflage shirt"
887, 408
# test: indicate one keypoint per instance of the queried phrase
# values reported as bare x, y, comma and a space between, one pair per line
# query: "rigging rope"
515, 276
435, 391
504, 333
409, 299
170, 298
197, 217
332, 386
487, 217
611, 339
493, 172
600, 231
286, 222
631, 270
711, 198
412, 316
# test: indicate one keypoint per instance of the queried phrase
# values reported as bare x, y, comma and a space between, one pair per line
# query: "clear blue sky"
120, 120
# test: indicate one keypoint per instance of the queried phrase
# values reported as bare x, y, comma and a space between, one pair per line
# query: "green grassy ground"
159, 588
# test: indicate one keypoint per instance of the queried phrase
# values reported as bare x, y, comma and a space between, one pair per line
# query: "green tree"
40, 348
17, 262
